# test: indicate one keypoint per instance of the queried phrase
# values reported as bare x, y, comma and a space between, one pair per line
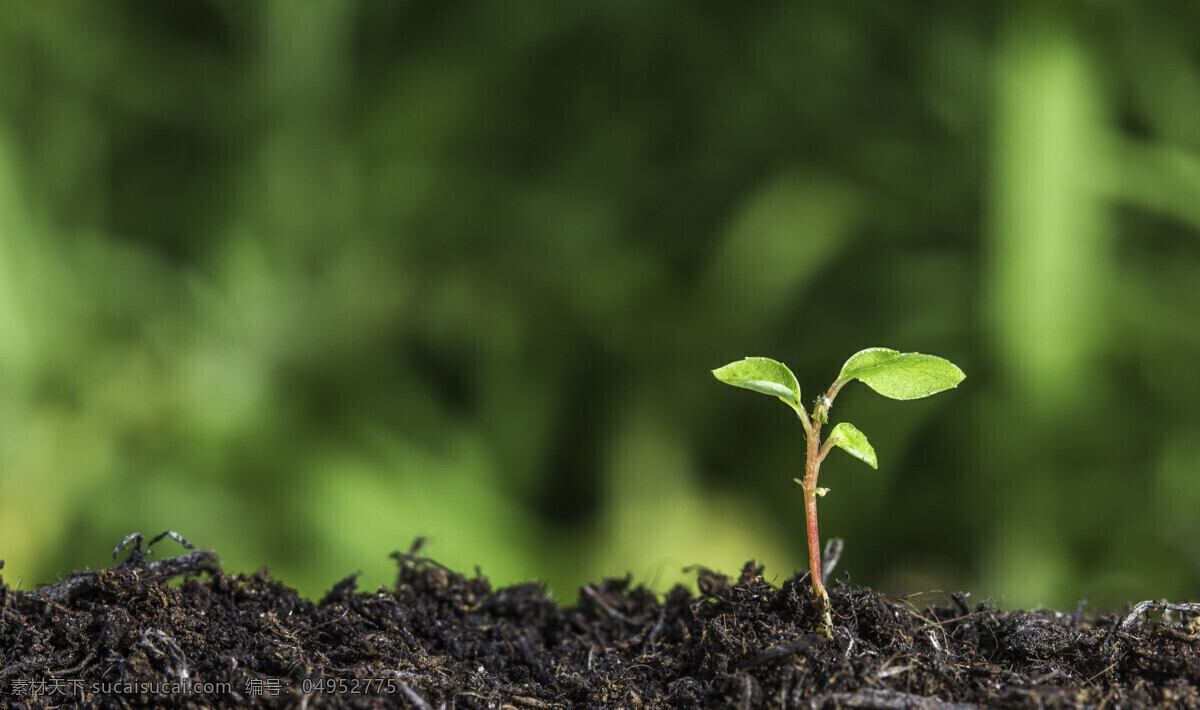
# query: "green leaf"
762, 374
847, 437
901, 375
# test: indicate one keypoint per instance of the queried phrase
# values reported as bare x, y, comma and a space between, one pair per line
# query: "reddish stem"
812, 466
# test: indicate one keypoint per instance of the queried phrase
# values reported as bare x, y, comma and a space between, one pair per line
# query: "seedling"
889, 372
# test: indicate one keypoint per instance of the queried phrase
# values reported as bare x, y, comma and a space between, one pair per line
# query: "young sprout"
889, 372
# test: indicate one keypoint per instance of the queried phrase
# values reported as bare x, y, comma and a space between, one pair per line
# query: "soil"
129, 636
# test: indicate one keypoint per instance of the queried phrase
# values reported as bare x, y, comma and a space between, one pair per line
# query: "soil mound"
125, 637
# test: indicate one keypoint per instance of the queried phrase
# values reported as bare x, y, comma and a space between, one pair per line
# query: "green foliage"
848, 438
901, 375
762, 374
889, 372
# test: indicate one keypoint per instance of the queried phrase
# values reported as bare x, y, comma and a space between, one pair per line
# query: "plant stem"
803, 415
812, 466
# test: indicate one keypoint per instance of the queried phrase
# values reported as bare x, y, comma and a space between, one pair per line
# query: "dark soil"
124, 637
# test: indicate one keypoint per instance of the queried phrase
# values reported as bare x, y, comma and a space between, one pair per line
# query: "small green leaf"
762, 374
847, 437
901, 375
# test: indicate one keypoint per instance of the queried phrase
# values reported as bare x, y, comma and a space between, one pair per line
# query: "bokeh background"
304, 281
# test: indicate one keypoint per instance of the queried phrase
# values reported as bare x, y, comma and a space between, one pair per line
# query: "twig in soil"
410, 559
83, 582
531, 702
66, 672
595, 597
183, 565
1141, 607
783, 650
660, 627
833, 553
894, 670
1103, 672
137, 555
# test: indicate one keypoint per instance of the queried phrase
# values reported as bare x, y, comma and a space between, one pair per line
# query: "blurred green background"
303, 281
